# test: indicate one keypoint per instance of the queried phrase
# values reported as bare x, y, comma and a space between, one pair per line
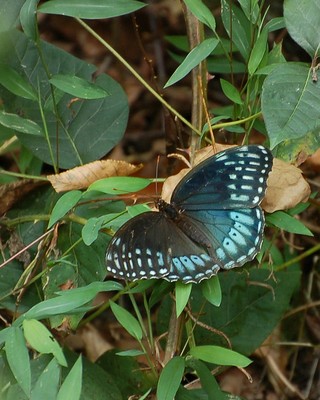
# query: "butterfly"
213, 222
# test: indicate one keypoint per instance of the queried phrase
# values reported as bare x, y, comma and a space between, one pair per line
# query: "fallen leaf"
82, 177
286, 187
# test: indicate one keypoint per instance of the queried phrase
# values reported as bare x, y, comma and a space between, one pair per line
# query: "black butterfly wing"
235, 178
151, 245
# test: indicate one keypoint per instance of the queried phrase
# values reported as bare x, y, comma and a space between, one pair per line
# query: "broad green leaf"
127, 320
288, 103
18, 358
71, 386
19, 124
119, 185
212, 291
196, 55
301, 18
16, 83
202, 12
87, 129
220, 356
230, 91
41, 339
9, 14
182, 293
64, 205
4, 334
170, 379
28, 18
258, 51
78, 87
91, 9
288, 223
46, 386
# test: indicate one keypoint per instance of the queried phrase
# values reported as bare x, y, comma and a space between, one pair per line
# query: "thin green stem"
300, 257
23, 176
46, 133
137, 76
147, 308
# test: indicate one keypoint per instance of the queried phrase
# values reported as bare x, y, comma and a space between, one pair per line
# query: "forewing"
234, 178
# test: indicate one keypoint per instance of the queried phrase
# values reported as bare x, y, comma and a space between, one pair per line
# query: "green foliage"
58, 117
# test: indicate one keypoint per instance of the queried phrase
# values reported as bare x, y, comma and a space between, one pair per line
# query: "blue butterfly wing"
235, 178
235, 236
219, 223
152, 246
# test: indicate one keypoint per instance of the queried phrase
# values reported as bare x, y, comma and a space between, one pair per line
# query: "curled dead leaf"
286, 187
82, 177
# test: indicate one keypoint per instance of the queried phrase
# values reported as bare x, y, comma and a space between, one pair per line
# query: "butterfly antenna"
157, 175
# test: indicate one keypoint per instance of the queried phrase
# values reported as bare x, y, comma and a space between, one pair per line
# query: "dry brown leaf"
286, 187
12, 192
82, 177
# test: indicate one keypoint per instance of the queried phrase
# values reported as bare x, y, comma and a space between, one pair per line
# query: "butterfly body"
213, 221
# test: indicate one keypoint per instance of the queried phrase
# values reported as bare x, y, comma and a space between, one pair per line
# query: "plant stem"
138, 77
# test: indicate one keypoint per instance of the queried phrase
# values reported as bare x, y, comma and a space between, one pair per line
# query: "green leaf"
91, 9
230, 91
202, 12
64, 205
18, 358
119, 185
258, 51
41, 339
126, 374
170, 379
250, 9
182, 296
288, 103
208, 381
212, 291
78, 87
16, 83
87, 129
9, 13
238, 27
301, 17
220, 356
69, 300
13, 121
130, 353
91, 229
127, 320
261, 304
288, 223
46, 386
196, 55
71, 386
28, 18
